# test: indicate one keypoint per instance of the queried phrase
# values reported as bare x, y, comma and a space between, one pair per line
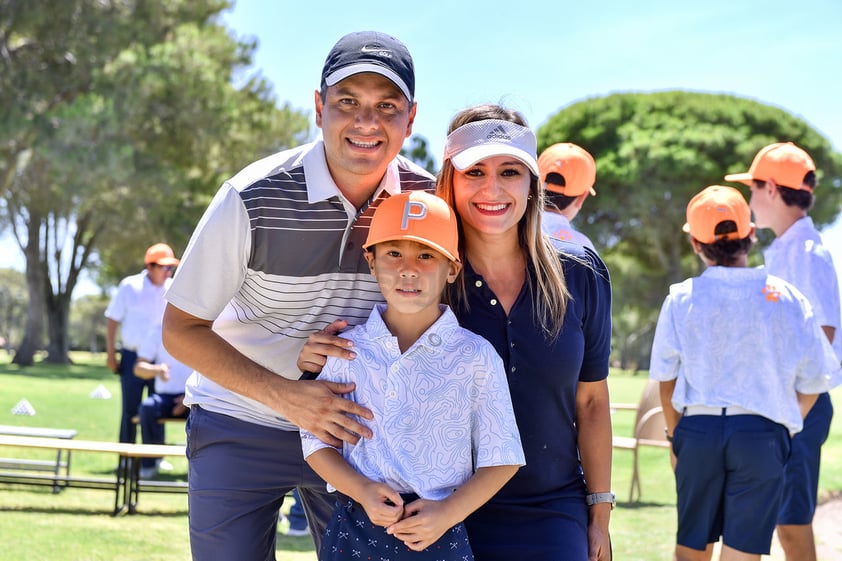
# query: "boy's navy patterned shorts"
351, 535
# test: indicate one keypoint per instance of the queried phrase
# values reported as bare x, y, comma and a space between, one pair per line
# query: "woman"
546, 307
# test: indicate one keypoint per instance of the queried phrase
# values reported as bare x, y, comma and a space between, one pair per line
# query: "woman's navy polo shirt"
542, 374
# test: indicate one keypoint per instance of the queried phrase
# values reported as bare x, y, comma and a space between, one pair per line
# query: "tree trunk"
35, 312
58, 314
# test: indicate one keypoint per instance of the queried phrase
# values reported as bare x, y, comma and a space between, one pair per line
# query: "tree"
12, 306
87, 328
419, 152
122, 120
653, 153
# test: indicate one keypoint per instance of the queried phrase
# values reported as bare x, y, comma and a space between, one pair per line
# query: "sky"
539, 57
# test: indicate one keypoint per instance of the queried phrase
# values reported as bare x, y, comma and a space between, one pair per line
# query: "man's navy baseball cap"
370, 51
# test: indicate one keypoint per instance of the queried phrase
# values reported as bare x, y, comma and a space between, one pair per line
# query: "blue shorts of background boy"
753, 450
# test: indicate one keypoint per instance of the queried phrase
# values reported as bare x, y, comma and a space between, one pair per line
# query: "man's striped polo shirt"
277, 256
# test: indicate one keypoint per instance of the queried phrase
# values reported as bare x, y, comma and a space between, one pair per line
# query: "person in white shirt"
445, 437
276, 256
170, 376
136, 307
568, 173
782, 178
733, 386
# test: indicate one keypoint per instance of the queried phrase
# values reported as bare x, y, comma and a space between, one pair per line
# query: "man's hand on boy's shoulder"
323, 344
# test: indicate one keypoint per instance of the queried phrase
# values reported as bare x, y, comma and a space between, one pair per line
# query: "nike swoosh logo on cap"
378, 50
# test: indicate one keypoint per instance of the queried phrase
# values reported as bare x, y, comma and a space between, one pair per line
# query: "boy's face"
761, 202
364, 120
411, 276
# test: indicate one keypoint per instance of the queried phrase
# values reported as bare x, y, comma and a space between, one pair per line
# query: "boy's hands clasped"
424, 521
383, 505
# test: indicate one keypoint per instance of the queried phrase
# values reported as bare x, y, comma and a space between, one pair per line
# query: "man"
568, 173
137, 306
782, 178
277, 256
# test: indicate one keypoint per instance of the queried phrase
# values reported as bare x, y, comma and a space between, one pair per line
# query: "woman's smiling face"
491, 195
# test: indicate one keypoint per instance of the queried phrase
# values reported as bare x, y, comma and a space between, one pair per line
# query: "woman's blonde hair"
552, 298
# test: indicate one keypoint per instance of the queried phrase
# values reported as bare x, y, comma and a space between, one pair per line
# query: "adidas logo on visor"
499, 133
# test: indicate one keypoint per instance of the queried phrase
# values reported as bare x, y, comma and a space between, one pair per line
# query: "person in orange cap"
568, 173
137, 306
443, 417
730, 413
782, 178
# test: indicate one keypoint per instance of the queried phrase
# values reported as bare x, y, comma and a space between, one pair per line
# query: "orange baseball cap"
783, 162
573, 163
161, 254
713, 205
416, 216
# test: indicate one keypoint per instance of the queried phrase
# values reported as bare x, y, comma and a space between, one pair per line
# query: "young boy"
154, 362
733, 386
444, 438
568, 173
782, 178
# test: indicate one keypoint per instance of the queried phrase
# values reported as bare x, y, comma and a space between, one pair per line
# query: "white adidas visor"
479, 140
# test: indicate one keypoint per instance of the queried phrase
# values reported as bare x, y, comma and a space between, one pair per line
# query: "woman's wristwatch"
596, 498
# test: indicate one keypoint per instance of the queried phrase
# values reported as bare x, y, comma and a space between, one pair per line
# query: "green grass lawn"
76, 524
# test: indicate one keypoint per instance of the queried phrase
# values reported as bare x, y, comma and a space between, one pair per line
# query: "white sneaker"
149, 472
164, 465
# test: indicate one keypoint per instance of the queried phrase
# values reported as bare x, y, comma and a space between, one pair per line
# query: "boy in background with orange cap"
730, 413
782, 178
568, 173
443, 417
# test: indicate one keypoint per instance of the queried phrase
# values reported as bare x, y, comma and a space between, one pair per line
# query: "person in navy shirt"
545, 306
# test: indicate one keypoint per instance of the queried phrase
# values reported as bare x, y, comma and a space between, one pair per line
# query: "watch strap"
596, 498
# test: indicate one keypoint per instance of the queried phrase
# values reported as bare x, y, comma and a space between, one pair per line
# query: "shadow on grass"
641, 504
45, 371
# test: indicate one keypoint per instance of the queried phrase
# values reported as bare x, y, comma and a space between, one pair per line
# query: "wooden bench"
62, 460
126, 483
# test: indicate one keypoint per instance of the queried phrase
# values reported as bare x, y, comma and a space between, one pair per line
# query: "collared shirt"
544, 374
137, 306
558, 226
799, 257
441, 409
276, 257
739, 336
152, 349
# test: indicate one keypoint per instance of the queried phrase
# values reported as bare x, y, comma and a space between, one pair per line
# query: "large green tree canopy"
118, 121
653, 152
